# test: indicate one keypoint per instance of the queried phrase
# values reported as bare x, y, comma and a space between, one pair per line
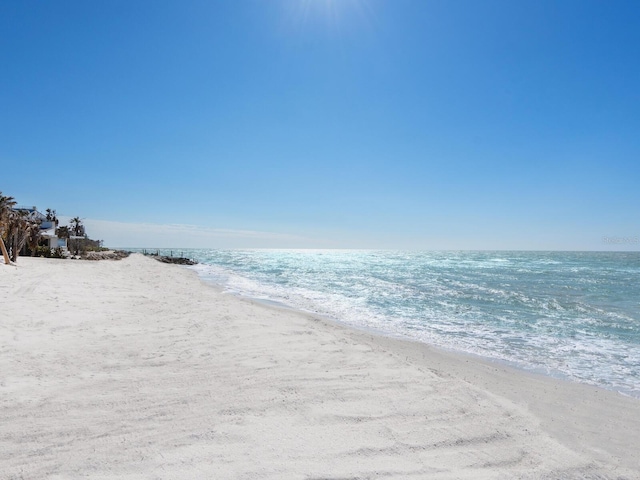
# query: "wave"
566, 314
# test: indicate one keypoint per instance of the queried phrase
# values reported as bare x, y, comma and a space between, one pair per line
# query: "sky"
408, 124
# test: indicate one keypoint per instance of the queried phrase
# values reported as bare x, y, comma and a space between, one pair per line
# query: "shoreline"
137, 369
366, 330
540, 313
521, 386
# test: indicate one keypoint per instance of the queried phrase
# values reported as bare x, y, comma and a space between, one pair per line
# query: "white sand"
136, 369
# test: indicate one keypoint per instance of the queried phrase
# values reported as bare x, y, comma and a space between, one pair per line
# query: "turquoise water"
568, 314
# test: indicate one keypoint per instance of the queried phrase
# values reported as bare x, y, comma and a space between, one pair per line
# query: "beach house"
47, 227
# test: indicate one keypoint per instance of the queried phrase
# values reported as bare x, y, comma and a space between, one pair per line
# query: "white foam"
459, 302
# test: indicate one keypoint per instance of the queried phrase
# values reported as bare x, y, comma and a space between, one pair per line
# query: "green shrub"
43, 251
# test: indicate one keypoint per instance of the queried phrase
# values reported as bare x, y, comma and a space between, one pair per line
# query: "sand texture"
134, 369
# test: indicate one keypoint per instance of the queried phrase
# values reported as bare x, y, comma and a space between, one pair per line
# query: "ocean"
574, 315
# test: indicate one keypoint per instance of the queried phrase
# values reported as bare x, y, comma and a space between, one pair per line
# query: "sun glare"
333, 13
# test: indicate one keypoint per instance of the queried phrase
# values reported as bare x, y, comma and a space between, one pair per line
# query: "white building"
47, 227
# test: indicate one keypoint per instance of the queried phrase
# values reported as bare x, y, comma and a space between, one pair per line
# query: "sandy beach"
134, 369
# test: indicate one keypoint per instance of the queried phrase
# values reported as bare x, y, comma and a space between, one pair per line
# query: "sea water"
569, 314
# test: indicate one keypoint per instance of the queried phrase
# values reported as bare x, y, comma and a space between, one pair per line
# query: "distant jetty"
106, 255
170, 258
176, 260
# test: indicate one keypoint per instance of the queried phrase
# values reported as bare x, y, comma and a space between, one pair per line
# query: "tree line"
21, 230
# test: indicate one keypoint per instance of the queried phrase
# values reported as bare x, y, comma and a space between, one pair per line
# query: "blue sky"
327, 123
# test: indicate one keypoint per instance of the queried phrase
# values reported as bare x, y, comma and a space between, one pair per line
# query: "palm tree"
6, 207
51, 216
33, 236
17, 229
63, 232
77, 229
